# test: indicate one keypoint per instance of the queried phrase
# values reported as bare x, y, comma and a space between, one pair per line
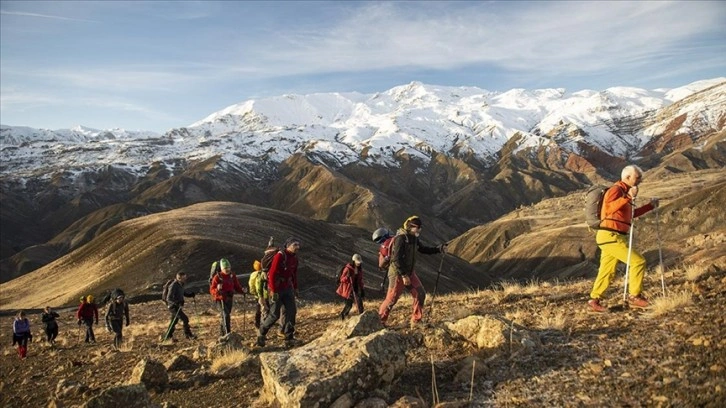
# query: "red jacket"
616, 214
230, 284
283, 272
350, 275
87, 311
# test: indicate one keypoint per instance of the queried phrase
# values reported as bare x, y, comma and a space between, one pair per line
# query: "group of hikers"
274, 280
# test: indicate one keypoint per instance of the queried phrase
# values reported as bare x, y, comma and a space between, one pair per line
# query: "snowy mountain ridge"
414, 119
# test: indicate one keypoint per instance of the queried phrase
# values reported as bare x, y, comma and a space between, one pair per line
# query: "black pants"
89, 329
51, 333
225, 307
286, 301
118, 330
177, 314
349, 305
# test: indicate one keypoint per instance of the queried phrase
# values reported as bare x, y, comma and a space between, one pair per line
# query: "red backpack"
384, 253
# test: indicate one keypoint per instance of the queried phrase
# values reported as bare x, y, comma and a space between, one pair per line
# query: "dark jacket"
176, 295
403, 252
48, 320
117, 311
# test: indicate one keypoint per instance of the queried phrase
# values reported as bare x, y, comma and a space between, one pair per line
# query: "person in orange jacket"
223, 287
612, 239
86, 313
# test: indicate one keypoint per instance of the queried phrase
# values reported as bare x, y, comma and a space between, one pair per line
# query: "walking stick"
436, 286
244, 312
171, 324
630, 249
660, 252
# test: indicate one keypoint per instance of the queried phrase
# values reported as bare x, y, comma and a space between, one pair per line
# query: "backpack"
116, 293
339, 275
384, 253
165, 290
593, 205
266, 261
215, 270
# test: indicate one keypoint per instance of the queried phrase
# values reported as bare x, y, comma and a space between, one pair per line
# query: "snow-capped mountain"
415, 119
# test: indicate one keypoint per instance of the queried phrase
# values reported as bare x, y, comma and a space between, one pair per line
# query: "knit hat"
357, 258
256, 265
290, 241
412, 221
224, 263
89, 298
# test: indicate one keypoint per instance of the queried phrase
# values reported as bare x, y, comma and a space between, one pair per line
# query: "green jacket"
258, 285
403, 252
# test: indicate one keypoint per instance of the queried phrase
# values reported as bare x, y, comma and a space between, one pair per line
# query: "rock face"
346, 358
150, 373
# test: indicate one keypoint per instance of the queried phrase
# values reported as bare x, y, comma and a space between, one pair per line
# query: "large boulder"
150, 373
487, 332
355, 356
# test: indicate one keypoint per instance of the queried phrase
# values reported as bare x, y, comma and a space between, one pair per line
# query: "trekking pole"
630, 250
171, 324
436, 286
244, 313
660, 252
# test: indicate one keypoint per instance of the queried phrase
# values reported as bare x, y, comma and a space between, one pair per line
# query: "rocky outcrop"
150, 373
345, 359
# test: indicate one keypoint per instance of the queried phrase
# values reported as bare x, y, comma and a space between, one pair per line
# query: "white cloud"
39, 15
566, 36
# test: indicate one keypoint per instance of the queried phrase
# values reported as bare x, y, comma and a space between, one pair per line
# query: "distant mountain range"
460, 157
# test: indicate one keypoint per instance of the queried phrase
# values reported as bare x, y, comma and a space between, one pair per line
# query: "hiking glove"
275, 297
654, 202
442, 247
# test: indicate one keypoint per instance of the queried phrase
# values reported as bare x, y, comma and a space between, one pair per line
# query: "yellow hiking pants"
614, 248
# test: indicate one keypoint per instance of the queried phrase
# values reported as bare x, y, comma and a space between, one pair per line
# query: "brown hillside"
140, 254
550, 240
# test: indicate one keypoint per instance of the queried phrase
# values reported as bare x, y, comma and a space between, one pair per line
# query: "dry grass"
228, 359
693, 272
552, 320
663, 305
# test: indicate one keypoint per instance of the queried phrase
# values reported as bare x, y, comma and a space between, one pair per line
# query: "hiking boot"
638, 302
190, 336
595, 306
260, 341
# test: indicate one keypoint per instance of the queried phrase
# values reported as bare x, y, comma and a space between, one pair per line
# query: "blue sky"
158, 65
